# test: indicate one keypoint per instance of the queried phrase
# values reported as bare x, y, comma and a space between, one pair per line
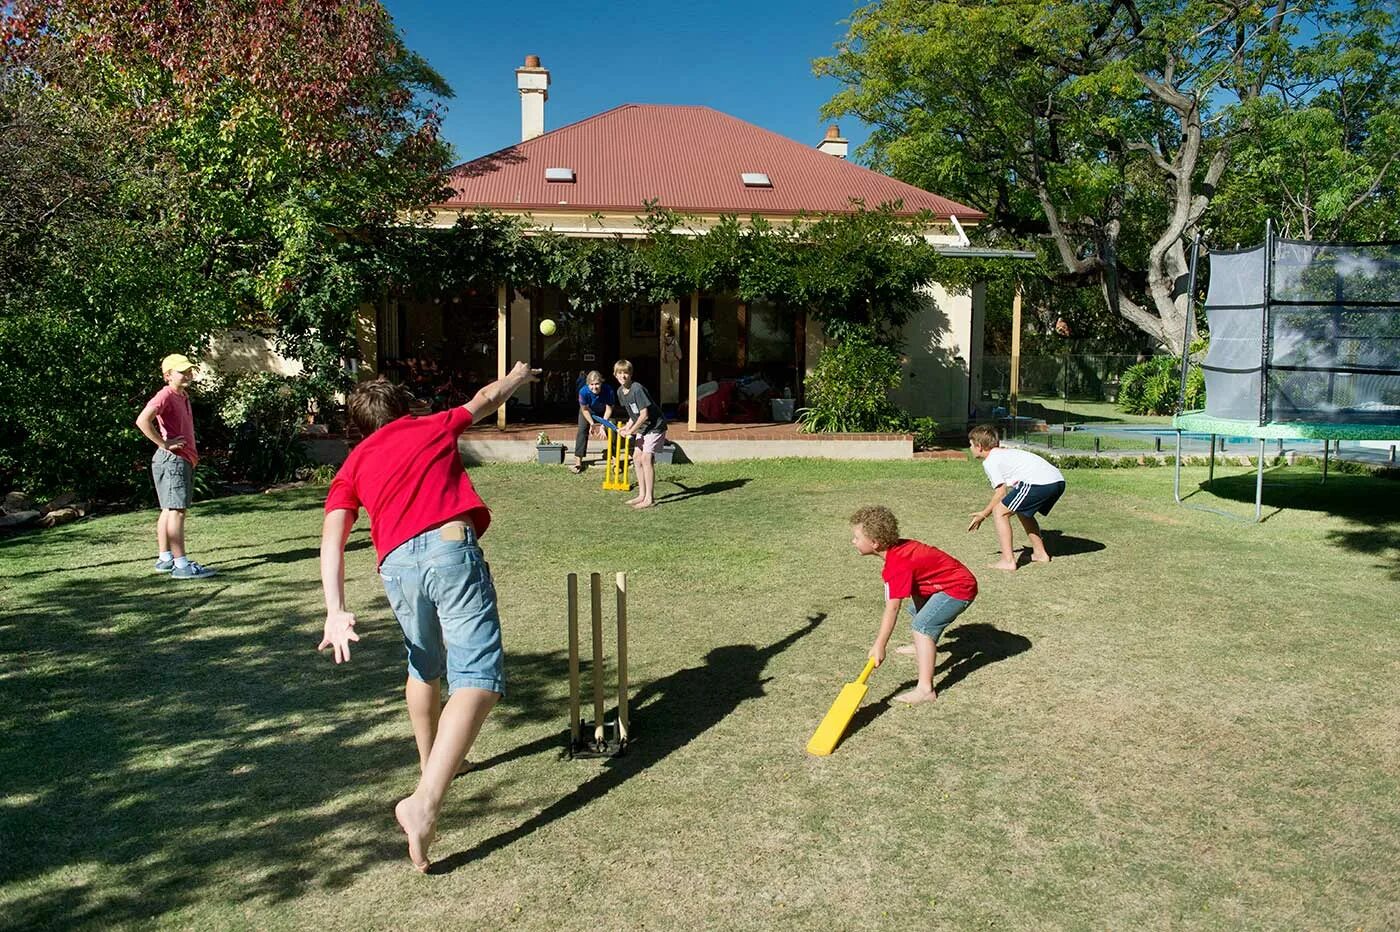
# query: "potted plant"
547, 451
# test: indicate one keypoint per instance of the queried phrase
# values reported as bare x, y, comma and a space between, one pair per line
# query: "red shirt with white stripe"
408, 475
914, 569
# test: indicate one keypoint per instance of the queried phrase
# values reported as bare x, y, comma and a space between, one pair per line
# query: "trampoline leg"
1259, 485
1326, 448
1176, 480
1210, 476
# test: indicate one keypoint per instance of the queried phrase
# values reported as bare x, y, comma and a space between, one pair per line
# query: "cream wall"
943, 345
242, 351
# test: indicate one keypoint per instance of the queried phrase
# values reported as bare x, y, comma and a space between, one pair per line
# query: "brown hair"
622, 365
984, 437
879, 525
375, 403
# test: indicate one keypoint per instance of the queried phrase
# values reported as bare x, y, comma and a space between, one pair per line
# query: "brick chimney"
834, 143
533, 82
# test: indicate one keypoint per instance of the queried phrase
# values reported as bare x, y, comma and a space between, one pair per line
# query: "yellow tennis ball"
547, 327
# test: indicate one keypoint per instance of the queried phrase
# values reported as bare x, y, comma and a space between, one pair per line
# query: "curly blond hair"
878, 523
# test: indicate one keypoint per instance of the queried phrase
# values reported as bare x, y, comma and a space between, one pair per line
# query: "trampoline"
1304, 345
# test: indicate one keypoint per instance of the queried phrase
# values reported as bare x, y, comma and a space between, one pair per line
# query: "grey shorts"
174, 477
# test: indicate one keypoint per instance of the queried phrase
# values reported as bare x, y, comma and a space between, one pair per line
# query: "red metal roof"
689, 159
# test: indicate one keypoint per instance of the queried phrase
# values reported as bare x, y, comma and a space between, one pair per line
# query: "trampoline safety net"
1310, 334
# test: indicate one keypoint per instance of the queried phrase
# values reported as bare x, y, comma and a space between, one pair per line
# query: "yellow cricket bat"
840, 714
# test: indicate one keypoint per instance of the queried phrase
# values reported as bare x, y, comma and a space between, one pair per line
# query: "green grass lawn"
1182, 722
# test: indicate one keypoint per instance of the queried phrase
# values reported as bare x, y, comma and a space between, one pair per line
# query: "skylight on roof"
559, 174
755, 180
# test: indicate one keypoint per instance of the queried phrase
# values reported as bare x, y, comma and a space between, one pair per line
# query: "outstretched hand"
339, 632
977, 519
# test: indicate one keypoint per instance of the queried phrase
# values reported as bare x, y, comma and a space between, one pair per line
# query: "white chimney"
533, 82
834, 144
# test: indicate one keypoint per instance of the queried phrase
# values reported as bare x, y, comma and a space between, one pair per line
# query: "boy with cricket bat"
940, 587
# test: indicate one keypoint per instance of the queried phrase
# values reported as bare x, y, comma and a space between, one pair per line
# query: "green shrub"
849, 389
1153, 386
264, 415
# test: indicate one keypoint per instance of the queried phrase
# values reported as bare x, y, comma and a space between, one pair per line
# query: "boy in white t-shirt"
1022, 484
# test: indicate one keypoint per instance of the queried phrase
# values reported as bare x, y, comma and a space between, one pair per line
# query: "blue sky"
751, 60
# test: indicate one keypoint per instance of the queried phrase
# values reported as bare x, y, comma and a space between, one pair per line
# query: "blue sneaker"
191, 570
164, 566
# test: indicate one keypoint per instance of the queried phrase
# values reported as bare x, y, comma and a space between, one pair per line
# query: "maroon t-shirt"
408, 475
916, 569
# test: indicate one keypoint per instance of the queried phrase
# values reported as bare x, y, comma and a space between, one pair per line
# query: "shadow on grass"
709, 488
962, 651
170, 745
668, 714
1059, 544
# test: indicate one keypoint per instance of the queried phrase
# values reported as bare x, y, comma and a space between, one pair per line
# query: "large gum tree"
1106, 126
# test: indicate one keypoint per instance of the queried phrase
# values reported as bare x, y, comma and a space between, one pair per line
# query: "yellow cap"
175, 362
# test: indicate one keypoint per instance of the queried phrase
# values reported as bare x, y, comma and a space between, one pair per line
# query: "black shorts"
1026, 499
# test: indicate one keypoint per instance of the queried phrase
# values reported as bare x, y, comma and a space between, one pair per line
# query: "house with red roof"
594, 178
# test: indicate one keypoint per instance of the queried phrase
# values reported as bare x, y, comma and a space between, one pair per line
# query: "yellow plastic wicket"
616, 479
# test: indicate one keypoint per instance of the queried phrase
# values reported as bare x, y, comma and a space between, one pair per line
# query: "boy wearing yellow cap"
168, 422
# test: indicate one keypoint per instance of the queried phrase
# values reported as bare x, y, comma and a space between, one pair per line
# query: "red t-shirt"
175, 418
913, 568
408, 475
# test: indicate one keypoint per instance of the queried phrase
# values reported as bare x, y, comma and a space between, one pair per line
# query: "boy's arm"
979, 516
146, 423
494, 395
887, 623
340, 624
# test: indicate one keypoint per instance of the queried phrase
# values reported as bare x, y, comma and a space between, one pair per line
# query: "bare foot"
644, 504
1040, 558
1007, 565
905, 649
417, 825
633, 501
917, 695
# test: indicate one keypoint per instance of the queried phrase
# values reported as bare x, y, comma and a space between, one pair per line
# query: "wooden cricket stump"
599, 737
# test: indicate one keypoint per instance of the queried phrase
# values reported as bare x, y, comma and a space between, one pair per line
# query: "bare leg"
1038, 552
175, 530
424, 709
162, 535
1003, 522
927, 652
458, 726
646, 480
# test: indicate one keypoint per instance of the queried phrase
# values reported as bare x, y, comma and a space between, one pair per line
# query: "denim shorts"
938, 613
442, 594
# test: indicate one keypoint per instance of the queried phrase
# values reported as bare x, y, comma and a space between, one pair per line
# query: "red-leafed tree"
174, 167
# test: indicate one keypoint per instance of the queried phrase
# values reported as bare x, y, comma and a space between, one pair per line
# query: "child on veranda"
643, 419
168, 422
595, 399
1022, 484
425, 522
939, 586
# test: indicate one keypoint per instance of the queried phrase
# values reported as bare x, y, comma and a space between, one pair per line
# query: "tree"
177, 167
1106, 125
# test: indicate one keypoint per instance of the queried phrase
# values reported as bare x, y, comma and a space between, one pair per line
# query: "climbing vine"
861, 268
